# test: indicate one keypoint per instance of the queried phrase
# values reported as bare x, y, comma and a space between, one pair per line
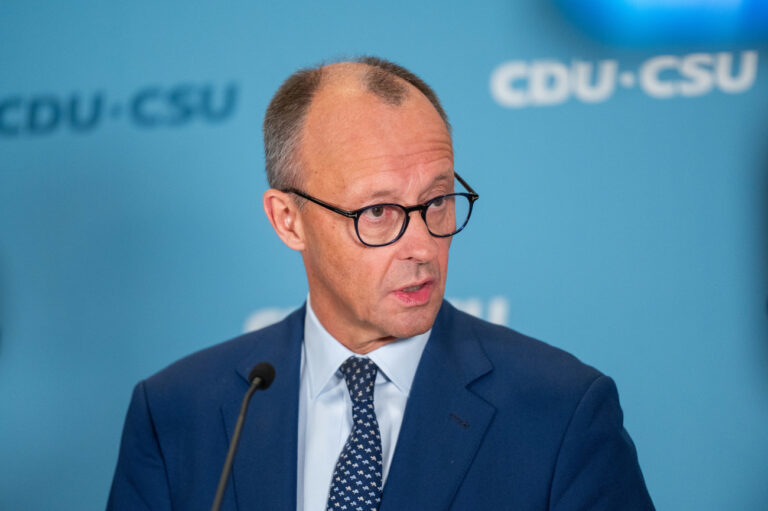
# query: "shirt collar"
397, 360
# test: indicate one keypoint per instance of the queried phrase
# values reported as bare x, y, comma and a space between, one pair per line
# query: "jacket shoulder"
208, 371
523, 361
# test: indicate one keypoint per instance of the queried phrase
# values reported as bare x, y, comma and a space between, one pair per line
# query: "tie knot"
360, 374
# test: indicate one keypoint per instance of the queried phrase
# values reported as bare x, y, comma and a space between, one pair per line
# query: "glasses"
379, 225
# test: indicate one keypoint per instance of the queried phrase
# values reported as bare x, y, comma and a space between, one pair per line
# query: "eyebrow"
391, 193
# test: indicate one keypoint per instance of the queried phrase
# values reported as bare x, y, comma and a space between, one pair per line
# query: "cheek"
346, 265
372, 266
327, 235
443, 257
324, 250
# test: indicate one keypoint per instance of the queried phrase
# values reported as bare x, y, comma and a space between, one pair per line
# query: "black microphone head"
265, 372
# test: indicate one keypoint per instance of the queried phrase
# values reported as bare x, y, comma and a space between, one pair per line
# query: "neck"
356, 340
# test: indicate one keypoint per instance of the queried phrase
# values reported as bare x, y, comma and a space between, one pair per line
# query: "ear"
283, 214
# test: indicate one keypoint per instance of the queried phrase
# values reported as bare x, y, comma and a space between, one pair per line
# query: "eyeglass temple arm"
466, 185
349, 214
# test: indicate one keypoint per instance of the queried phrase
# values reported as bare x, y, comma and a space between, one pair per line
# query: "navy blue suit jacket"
495, 420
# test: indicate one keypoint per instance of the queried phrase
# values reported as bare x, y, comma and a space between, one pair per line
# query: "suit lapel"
444, 421
264, 469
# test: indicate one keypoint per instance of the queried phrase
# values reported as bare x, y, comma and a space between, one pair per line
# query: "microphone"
261, 378
262, 375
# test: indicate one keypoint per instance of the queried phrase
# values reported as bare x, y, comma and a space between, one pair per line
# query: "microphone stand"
261, 377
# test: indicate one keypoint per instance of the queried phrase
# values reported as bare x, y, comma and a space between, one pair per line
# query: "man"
386, 397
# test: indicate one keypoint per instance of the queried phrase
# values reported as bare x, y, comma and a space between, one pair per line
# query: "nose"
417, 243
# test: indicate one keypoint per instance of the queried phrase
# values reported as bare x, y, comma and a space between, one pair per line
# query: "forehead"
354, 143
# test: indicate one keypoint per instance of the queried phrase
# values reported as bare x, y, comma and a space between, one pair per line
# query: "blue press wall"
622, 215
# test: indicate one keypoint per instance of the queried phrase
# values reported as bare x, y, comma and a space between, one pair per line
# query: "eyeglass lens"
379, 225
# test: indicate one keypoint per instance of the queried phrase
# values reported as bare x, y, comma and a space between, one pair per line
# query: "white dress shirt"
325, 408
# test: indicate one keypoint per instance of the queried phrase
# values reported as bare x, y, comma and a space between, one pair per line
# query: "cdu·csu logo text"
152, 106
518, 84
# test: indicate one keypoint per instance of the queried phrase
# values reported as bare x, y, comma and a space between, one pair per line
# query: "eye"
438, 201
375, 211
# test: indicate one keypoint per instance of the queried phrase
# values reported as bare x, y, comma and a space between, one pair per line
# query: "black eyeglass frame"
472, 196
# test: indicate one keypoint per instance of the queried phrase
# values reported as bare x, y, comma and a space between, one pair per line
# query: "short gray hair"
287, 111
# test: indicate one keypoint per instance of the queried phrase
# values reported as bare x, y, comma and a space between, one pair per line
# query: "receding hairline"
286, 116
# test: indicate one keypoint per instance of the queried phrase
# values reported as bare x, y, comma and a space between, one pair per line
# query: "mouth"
415, 294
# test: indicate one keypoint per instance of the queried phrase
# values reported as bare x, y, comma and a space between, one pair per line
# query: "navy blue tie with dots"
356, 483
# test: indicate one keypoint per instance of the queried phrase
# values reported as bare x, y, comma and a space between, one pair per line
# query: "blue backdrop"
621, 162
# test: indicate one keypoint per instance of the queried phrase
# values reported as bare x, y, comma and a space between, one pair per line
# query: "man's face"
357, 151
